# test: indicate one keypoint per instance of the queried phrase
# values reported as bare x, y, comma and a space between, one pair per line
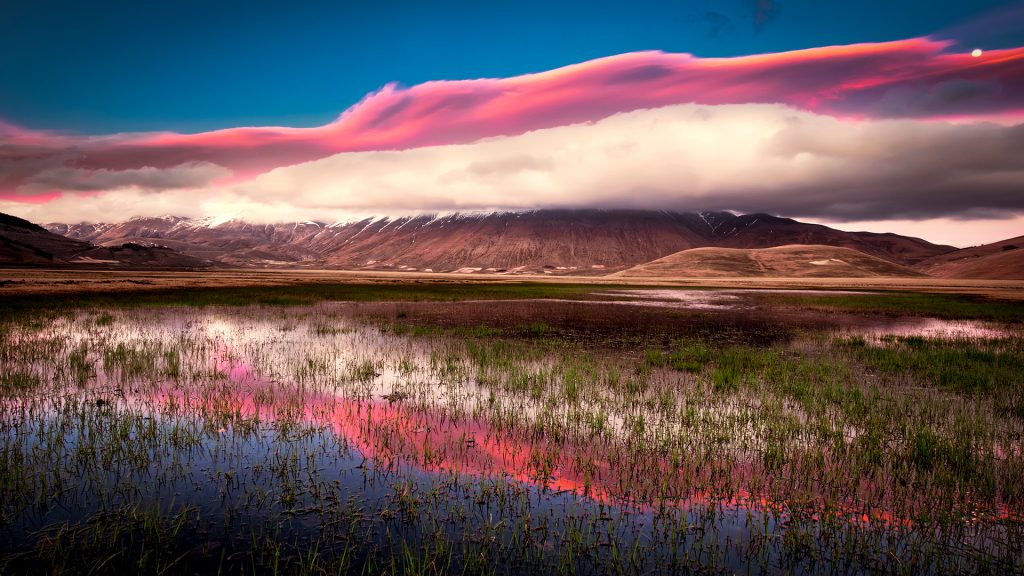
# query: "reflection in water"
933, 328
299, 407
394, 433
685, 299
875, 327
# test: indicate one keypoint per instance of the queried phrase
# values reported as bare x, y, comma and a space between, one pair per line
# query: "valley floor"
32, 281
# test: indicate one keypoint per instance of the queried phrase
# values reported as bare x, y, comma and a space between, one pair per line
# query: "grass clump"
969, 366
81, 368
736, 366
130, 362
13, 382
684, 356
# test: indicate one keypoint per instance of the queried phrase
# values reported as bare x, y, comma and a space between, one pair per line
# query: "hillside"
791, 261
997, 261
23, 243
554, 241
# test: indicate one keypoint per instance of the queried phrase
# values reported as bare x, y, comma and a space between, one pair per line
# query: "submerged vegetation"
413, 439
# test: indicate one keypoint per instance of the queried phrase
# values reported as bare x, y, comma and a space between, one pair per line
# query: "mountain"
25, 243
997, 261
791, 261
554, 241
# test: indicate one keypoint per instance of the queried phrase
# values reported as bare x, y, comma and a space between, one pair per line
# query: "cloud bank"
749, 158
916, 78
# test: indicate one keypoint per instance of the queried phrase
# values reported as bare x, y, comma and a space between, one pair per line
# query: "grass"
314, 439
953, 306
688, 356
304, 294
891, 302
969, 366
14, 381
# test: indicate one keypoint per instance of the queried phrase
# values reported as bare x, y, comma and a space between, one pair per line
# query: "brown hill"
792, 261
764, 231
556, 241
23, 243
997, 261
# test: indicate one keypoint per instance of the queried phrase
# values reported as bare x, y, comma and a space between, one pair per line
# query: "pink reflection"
395, 433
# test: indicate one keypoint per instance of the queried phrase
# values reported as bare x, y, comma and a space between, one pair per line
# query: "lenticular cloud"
916, 78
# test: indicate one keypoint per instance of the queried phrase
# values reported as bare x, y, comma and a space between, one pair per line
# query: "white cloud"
743, 157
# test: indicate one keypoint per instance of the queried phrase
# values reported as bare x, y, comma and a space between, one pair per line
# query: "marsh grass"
15, 381
969, 366
304, 294
313, 440
953, 306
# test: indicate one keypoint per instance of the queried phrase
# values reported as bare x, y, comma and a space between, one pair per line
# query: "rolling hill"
790, 261
1002, 260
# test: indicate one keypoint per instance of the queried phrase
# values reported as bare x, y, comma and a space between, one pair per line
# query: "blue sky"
110, 66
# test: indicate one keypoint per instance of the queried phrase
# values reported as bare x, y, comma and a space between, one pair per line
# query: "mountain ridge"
562, 241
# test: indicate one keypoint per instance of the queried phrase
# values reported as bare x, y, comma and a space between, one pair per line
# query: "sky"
869, 115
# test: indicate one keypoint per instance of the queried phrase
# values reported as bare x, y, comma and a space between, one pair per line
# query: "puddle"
744, 299
930, 328
686, 299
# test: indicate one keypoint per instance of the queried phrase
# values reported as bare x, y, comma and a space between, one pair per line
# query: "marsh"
581, 432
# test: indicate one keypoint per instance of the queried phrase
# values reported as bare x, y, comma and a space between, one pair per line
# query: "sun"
976, 52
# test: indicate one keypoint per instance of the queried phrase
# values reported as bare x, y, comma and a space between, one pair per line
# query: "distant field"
31, 289
16, 281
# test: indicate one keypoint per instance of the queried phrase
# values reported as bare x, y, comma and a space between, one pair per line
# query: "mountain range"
555, 241
629, 243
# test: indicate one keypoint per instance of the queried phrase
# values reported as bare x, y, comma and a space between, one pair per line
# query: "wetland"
570, 429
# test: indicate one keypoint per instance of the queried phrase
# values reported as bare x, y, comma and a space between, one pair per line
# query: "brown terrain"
999, 260
60, 281
585, 241
791, 261
23, 243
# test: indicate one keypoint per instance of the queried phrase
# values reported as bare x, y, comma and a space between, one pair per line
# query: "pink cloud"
908, 78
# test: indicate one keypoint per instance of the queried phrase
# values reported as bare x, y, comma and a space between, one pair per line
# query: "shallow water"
932, 328
356, 443
686, 299
321, 425
874, 327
